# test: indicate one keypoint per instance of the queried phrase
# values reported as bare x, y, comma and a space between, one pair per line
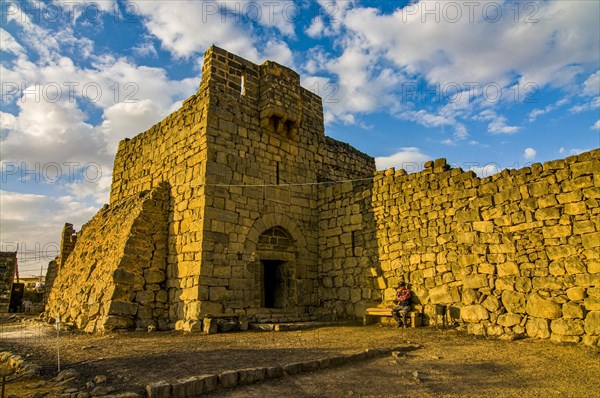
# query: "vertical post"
3, 383
58, 342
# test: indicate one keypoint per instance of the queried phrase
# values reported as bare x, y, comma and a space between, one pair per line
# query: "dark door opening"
274, 284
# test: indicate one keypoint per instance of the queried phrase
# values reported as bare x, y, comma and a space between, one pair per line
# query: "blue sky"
486, 84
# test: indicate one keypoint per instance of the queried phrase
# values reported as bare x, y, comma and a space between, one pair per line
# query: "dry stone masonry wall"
517, 253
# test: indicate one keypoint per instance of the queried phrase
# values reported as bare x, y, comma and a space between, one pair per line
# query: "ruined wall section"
517, 253
8, 263
115, 276
67, 244
172, 151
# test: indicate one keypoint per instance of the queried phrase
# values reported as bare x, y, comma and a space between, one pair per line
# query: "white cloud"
486, 171
596, 125
591, 86
146, 49
499, 126
9, 44
37, 230
187, 28
587, 106
518, 57
123, 120
316, 28
497, 123
410, 159
529, 153
549, 108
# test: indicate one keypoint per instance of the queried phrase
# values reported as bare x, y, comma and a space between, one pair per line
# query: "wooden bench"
371, 314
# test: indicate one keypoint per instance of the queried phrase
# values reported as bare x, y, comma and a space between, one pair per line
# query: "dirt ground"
447, 363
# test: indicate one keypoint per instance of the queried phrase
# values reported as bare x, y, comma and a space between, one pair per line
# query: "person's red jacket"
402, 294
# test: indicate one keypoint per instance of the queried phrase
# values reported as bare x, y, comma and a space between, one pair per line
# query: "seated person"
402, 309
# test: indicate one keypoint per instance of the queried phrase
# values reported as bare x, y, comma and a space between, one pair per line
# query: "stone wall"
517, 253
115, 276
8, 262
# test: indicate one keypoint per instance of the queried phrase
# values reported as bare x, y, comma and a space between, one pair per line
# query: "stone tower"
214, 210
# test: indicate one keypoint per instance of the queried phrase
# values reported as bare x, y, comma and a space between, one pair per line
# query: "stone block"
128, 278
194, 386
592, 323
514, 302
470, 296
476, 329
483, 226
210, 325
159, 390
572, 310
592, 304
587, 280
122, 308
559, 338
505, 283
494, 330
474, 313
542, 308
508, 268
557, 231
549, 213
228, 379
537, 327
523, 284
154, 276
440, 295
567, 327
591, 241
576, 293
292, 368
508, 320
475, 281
575, 208
491, 303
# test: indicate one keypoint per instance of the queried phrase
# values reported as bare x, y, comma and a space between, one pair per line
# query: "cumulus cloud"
529, 153
410, 159
34, 222
596, 125
495, 61
187, 28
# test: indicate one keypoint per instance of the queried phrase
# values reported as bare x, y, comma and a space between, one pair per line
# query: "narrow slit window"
277, 173
243, 83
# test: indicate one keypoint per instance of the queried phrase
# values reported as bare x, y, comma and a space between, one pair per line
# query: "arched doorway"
277, 254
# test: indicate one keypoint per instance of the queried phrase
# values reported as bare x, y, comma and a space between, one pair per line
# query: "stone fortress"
238, 205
